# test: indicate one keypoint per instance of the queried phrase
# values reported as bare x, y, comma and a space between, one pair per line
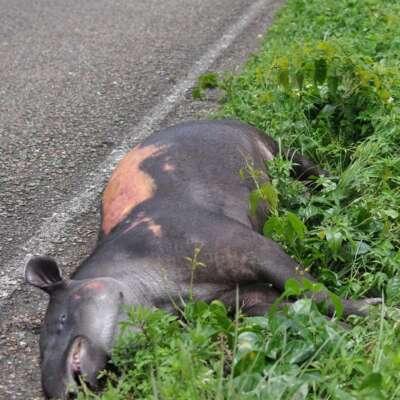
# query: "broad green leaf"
218, 307
311, 286
247, 342
362, 248
273, 225
334, 239
270, 194
297, 225
298, 350
302, 307
337, 303
393, 289
292, 287
373, 380
199, 308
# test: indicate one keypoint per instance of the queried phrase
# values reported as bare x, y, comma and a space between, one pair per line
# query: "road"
80, 82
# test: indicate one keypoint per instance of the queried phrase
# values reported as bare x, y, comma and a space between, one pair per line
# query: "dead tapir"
179, 190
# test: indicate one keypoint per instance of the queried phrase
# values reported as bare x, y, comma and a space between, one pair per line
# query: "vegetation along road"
79, 83
326, 82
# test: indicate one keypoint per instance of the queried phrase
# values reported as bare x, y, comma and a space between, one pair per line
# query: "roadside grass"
326, 82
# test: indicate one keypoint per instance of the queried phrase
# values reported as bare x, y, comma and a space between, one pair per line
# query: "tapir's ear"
43, 272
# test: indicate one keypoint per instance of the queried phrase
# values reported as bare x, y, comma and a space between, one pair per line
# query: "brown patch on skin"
142, 219
128, 186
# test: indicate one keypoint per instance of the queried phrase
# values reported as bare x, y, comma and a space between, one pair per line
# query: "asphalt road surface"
80, 82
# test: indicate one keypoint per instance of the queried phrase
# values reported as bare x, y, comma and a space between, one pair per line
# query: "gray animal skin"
179, 190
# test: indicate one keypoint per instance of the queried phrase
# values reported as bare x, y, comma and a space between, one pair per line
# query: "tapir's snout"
85, 360
80, 325
82, 362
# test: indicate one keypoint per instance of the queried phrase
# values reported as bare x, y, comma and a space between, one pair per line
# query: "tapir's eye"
61, 321
63, 317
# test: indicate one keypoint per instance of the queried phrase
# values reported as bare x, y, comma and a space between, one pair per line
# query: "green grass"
326, 82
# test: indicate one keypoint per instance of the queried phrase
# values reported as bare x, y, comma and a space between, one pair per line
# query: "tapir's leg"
254, 299
247, 296
277, 267
246, 257
303, 168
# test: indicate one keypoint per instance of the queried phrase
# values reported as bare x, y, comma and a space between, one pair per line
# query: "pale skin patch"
266, 152
154, 228
129, 186
94, 285
168, 167
151, 225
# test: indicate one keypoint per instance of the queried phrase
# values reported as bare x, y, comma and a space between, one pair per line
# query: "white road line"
53, 227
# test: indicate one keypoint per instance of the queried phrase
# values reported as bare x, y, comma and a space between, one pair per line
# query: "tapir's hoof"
373, 301
360, 307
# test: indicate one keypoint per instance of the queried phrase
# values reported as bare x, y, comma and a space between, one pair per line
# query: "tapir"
180, 190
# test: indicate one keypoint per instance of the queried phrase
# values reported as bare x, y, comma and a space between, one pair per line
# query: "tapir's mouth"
84, 362
75, 358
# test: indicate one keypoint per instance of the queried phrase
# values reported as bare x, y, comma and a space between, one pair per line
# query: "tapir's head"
79, 328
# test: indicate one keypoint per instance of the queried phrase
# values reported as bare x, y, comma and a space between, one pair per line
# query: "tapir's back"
189, 165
